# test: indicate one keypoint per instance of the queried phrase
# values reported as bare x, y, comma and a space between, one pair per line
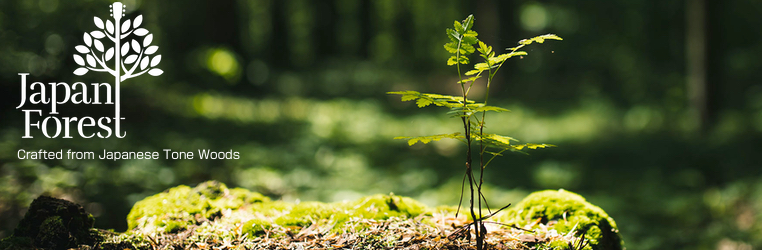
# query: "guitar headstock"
117, 9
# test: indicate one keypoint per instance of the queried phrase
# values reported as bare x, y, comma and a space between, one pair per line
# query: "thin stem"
494, 156
462, 188
467, 129
460, 77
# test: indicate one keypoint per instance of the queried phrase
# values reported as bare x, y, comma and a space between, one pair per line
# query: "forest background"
656, 107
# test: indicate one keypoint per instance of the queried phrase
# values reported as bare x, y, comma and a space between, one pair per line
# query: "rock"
52, 223
565, 211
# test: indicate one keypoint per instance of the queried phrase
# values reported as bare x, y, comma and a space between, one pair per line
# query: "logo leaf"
88, 39
140, 32
125, 26
109, 54
125, 48
138, 21
91, 60
110, 27
155, 72
152, 49
155, 61
80, 71
135, 46
99, 45
82, 49
144, 63
98, 22
131, 59
147, 40
97, 34
79, 60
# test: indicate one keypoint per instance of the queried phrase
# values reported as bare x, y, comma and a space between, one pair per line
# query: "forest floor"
447, 232
211, 216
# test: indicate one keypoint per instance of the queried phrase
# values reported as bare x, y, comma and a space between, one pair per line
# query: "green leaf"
540, 39
470, 79
406, 98
451, 47
470, 37
406, 92
408, 95
469, 22
467, 49
452, 60
426, 139
453, 35
499, 138
458, 26
503, 57
423, 102
484, 50
463, 60
472, 108
425, 99
473, 72
479, 67
490, 108
533, 146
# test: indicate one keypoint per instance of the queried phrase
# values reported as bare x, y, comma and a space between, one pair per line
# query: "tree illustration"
130, 58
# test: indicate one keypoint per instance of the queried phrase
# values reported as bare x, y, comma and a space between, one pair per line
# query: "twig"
464, 227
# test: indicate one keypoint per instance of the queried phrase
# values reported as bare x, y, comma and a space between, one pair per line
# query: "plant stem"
469, 169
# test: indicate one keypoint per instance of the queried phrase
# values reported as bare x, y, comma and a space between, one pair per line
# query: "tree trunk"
696, 63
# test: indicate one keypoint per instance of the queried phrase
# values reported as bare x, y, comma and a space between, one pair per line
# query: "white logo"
125, 60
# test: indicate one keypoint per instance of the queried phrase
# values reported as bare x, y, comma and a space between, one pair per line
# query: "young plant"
463, 43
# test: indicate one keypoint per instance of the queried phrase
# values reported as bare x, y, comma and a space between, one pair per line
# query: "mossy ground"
211, 216
564, 211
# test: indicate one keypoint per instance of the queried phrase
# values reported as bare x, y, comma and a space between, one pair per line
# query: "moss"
567, 211
384, 206
215, 208
52, 223
182, 206
128, 240
53, 230
17, 243
306, 213
256, 227
377, 207
558, 245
